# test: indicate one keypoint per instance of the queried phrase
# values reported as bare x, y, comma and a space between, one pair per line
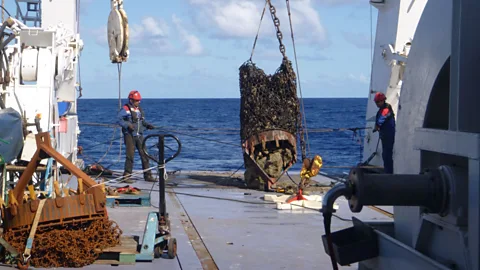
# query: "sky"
194, 48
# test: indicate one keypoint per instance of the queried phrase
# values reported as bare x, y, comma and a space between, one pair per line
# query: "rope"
109, 147
258, 31
240, 201
119, 68
371, 36
236, 170
298, 77
101, 143
124, 177
78, 15
319, 130
217, 141
79, 80
3, 11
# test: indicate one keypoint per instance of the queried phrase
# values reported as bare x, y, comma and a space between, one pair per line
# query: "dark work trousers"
131, 142
387, 152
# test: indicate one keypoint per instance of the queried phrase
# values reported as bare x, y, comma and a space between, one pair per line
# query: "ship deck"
219, 226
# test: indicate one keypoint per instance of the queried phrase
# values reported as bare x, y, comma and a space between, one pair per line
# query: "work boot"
148, 177
127, 179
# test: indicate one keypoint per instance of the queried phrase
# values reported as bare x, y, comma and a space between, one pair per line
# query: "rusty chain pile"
68, 245
269, 102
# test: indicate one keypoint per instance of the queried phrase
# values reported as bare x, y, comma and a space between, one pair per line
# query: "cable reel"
118, 33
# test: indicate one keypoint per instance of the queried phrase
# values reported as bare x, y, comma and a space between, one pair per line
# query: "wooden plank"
128, 245
116, 259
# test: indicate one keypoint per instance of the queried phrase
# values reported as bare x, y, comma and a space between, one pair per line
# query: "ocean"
209, 132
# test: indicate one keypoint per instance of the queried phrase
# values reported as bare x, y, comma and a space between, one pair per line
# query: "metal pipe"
37, 124
427, 190
161, 172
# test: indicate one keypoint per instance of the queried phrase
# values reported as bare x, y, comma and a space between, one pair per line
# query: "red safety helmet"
379, 97
135, 95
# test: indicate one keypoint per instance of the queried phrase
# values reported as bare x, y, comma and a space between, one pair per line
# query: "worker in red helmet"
385, 125
132, 119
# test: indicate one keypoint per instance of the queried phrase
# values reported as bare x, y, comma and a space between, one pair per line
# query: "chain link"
74, 244
276, 22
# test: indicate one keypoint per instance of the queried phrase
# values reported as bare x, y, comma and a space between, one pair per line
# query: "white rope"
123, 178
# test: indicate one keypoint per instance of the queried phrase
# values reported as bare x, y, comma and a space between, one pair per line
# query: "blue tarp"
11, 134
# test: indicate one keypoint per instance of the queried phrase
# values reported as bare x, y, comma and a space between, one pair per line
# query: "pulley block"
118, 33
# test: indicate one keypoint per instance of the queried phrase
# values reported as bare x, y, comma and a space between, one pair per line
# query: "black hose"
8, 13
6, 74
5, 43
327, 221
342, 189
7, 67
2, 29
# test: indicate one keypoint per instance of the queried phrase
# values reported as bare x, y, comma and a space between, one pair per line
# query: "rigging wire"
304, 119
258, 31
190, 128
119, 68
4, 9
233, 200
371, 36
218, 141
202, 138
212, 133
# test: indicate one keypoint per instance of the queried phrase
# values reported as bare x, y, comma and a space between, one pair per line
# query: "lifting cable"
115, 127
119, 68
258, 31
304, 119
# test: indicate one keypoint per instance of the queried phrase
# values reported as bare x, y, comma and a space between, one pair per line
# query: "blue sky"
193, 48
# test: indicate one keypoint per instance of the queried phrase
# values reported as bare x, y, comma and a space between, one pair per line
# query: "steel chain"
76, 244
276, 22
